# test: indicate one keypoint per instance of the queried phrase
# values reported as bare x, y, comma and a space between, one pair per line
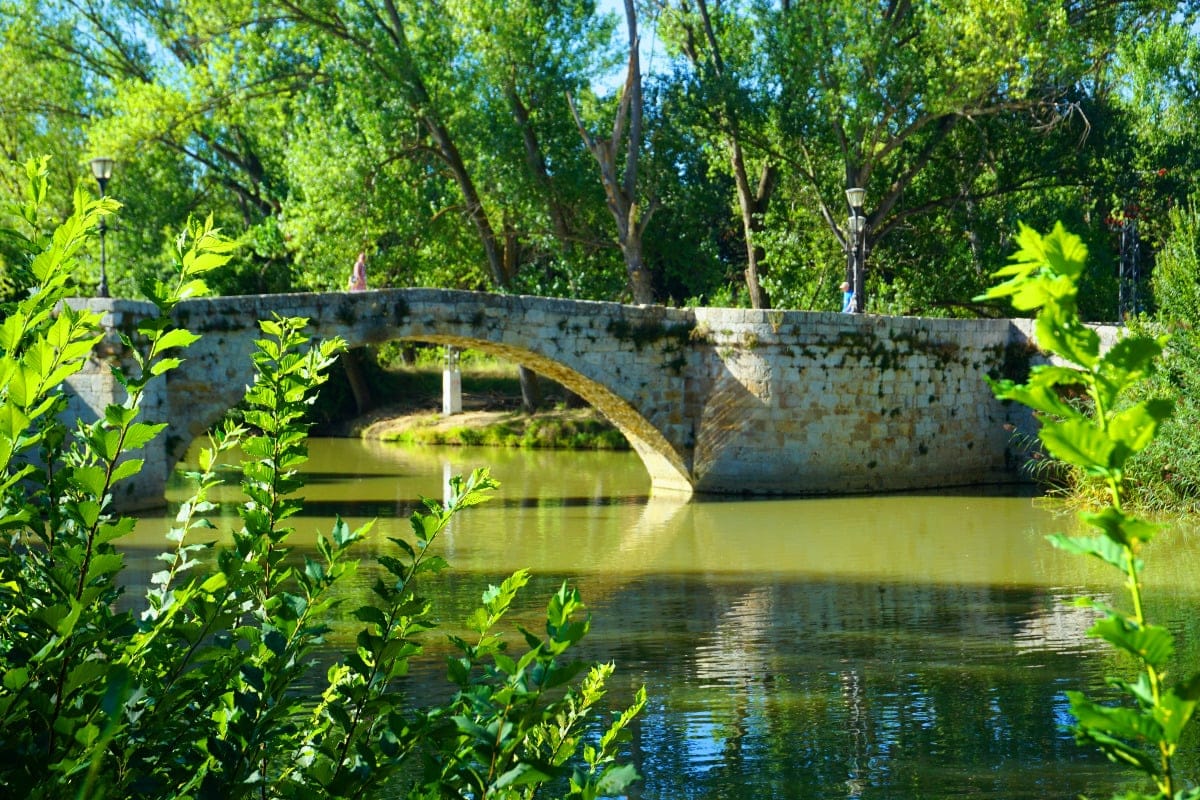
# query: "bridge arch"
662, 461
570, 342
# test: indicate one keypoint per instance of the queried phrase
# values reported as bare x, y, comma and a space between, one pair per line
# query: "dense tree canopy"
463, 142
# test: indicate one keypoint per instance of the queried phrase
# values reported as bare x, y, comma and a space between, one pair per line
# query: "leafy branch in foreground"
209, 691
1099, 438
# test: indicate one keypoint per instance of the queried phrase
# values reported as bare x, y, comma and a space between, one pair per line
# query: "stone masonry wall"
816, 403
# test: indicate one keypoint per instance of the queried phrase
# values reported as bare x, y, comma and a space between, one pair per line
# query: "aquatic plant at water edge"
203, 690
1100, 437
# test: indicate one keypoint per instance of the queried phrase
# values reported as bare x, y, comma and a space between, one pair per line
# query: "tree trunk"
358, 380
536, 164
531, 390
495, 252
753, 205
421, 104
639, 275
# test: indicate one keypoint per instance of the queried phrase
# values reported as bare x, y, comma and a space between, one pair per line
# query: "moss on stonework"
888, 354
1015, 359
644, 333
674, 338
399, 312
345, 313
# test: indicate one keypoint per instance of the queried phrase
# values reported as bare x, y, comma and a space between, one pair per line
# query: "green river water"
908, 646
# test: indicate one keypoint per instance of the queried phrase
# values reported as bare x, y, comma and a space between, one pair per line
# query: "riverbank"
489, 418
559, 428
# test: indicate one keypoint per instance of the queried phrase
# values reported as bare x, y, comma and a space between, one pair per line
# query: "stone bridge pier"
713, 400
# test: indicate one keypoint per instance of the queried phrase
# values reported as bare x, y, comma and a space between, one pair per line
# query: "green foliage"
437, 139
1100, 439
1176, 280
1165, 476
206, 693
581, 430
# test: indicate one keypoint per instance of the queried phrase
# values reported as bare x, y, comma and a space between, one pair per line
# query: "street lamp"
857, 226
102, 170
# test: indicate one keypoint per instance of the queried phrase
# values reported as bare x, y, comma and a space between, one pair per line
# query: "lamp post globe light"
102, 169
856, 227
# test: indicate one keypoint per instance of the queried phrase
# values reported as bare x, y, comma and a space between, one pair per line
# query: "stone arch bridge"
712, 400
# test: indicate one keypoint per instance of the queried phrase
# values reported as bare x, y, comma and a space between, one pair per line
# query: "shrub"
206, 692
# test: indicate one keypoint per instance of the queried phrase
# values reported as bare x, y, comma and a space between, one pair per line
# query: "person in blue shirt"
847, 298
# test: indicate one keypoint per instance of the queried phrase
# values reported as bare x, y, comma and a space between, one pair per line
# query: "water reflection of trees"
853, 690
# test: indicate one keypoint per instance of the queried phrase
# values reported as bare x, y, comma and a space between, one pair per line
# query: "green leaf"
111, 531
126, 469
1151, 643
178, 337
523, 774
1064, 252
1078, 442
16, 678
1130, 359
1038, 395
90, 479
1121, 528
1136, 426
314, 570
1124, 723
119, 416
371, 615
504, 663
164, 365
434, 564
89, 512
1101, 547
616, 779
1173, 714
104, 564
195, 288
1061, 332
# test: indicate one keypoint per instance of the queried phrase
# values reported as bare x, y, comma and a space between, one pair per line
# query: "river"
904, 646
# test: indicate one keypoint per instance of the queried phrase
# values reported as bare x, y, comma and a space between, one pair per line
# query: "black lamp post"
102, 169
857, 227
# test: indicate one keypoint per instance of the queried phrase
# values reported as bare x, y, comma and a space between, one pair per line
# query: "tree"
722, 83
871, 97
440, 107
43, 111
629, 210
187, 104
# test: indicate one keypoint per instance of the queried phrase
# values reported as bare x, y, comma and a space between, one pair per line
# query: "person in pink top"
358, 275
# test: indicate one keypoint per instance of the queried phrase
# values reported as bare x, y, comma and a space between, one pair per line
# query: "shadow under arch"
662, 461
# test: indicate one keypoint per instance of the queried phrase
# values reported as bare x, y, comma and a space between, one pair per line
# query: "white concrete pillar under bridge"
730, 401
